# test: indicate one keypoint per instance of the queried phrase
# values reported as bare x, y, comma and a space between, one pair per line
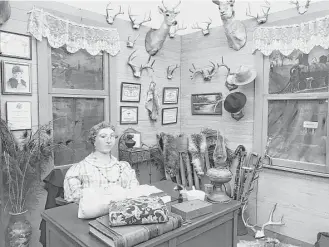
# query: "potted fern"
21, 162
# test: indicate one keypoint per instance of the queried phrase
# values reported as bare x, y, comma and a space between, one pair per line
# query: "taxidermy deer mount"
205, 30
261, 19
260, 233
5, 11
137, 71
137, 25
174, 29
110, 18
235, 30
155, 38
206, 72
130, 43
170, 71
301, 9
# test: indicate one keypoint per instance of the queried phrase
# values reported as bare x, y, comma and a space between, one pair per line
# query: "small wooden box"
192, 209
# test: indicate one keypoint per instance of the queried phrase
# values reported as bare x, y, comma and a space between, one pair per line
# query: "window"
294, 115
80, 99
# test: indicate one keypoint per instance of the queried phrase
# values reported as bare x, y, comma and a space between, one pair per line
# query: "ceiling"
190, 11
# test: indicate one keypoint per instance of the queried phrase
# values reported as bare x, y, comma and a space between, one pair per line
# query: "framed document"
15, 45
16, 78
128, 114
130, 92
19, 115
169, 115
170, 95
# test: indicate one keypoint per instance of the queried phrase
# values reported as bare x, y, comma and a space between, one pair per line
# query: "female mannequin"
99, 170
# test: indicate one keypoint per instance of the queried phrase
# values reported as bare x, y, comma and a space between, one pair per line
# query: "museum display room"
117, 134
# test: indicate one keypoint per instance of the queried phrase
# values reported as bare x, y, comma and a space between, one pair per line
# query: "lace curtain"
286, 39
74, 35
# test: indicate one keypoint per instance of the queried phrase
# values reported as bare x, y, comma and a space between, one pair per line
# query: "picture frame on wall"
128, 114
16, 78
170, 95
15, 45
137, 138
207, 104
169, 115
19, 115
130, 92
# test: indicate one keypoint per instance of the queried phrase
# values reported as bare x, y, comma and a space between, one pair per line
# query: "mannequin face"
104, 140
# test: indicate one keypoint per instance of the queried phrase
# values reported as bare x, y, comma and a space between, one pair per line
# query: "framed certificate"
170, 95
19, 115
15, 45
169, 115
128, 114
130, 92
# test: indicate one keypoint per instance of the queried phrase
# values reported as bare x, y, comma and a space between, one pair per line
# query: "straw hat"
242, 76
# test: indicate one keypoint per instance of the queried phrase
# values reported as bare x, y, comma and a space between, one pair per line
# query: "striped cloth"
90, 174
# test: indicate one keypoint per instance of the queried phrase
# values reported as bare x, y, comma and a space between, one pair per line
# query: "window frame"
262, 65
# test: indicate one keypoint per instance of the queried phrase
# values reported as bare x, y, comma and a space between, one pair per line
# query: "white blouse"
89, 173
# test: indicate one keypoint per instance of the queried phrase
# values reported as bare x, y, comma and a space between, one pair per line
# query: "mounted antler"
174, 29
207, 72
205, 31
301, 9
261, 19
137, 71
130, 43
170, 71
261, 233
135, 24
110, 19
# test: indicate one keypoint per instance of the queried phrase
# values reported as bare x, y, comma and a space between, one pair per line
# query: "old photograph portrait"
16, 78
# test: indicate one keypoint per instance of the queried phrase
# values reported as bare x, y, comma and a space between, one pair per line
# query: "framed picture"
136, 138
206, 104
19, 116
16, 78
130, 92
15, 45
169, 115
128, 114
170, 95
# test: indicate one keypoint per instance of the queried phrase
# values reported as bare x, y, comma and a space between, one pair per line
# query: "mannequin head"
102, 136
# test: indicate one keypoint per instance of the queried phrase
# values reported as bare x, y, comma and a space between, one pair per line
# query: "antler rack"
205, 30
110, 19
261, 19
301, 9
207, 72
136, 25
170, 71
137, 71
174, 29
131, 43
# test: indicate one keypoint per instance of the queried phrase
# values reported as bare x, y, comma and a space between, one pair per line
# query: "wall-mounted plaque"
15, 45
19, 115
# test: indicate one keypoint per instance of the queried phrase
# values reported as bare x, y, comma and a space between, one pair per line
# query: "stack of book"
128, 236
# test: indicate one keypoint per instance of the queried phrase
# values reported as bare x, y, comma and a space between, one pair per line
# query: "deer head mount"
111, 17
137, 25
137, 70
235, 30
205, 30
260, 233
261, 19
206, 72
174, 29
130, 43
155, 38
302, 9
5, 11
170, 71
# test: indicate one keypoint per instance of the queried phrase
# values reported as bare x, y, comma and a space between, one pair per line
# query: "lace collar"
93, 160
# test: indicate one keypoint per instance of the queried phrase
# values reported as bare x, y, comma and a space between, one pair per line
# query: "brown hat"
234, 104
16, 69
242, 76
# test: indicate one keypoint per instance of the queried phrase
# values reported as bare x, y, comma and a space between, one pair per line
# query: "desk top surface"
65, 219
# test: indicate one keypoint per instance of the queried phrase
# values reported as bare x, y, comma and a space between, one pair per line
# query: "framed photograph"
169, 115
206, 104
15, 45
170, 95
130, 92
136, 138
128, 114
16, 78
19, 116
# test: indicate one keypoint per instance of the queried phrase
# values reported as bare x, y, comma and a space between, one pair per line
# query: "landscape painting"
299, 72
207, 104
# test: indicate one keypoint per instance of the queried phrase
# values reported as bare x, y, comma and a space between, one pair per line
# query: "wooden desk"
218, 229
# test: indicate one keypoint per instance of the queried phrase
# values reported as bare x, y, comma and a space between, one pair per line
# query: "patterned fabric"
138, 211
91, 174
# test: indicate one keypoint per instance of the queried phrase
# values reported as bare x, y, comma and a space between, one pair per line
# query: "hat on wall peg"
243, 75
234, 104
